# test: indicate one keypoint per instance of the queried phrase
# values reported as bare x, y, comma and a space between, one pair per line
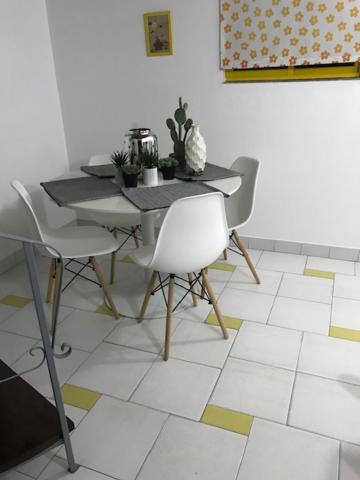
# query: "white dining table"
120, 205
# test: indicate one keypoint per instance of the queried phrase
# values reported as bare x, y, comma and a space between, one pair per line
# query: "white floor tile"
218, 453
255, 389
34, 467
85, 330
39, 378
349, 462
218, 279
83, 295
201, 343
330, 357
274, 346
6, 311
115, 437
13, 346
347, 286
357, 268
282, 262
301, 315
113, 370
237, 259
57, 470
147, 335
282, 453
327, 407
243, 279
339, 253
331, 265
195, 314
246, 305
306, 288
177, 387
346, 313
12, 475
25, 321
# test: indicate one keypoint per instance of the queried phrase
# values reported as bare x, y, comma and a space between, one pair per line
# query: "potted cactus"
130, 173
150, 161
119, 159
179, 135
168, 166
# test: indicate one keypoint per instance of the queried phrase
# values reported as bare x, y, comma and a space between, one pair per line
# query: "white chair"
73, 243
129, 224
240, 206
192, 236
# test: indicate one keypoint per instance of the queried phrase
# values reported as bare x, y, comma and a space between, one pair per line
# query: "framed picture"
158, 33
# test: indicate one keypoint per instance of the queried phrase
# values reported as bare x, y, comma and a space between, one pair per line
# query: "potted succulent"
150, 161
168, 166
130, 173
119, 159
180, 131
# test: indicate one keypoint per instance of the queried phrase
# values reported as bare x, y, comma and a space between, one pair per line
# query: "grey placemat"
211, 172
102, 171
154, 198
74, 190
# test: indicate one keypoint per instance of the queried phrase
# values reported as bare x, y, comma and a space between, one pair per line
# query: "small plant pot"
168, 172
130, 179
119, 178
150, 176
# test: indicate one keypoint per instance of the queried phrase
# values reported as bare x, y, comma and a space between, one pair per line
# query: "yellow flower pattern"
273, 33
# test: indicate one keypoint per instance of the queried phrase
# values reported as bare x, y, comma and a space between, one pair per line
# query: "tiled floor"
280, 399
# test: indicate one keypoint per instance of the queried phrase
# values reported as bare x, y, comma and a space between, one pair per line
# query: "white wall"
306, 134
32, 142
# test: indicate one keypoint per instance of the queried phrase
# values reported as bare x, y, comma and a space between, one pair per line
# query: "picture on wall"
158, 33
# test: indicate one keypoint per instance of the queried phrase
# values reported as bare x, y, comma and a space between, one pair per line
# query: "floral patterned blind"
276, 33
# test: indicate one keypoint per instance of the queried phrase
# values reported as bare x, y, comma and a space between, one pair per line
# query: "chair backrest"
37, 230
240, 206
192, 236
101, 159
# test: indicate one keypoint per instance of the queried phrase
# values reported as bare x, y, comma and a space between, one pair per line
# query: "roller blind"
283, 33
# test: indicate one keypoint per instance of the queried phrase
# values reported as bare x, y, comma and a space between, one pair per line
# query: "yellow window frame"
324, 72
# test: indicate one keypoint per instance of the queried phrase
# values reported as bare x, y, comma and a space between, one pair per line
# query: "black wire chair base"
77, 274
190, 288
129, 234
238, 251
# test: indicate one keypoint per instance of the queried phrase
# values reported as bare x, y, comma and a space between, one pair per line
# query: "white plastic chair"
72, 243
192, 236
128, 223
240, 206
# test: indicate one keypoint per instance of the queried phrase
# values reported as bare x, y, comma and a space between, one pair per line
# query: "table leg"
148, 233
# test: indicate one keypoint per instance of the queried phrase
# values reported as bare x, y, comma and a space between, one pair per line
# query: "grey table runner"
102, 171
211, 172
154, 198
75, 190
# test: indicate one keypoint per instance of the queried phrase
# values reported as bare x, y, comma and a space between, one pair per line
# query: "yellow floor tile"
104, 310
319, 273
230, 322
227, 419
15, 301
226, 267
127, 259
79, 397
345, 333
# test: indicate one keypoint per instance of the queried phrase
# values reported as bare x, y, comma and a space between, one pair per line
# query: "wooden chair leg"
212, 297
203, 289
149, 289
104, 287
225, 254
246, 256
169, 317
56, 289
113, 262
134, 231
193, 291
51, 280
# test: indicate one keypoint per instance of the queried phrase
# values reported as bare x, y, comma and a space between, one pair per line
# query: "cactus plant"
177, 135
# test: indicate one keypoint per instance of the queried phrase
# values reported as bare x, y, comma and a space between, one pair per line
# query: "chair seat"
143, 256
80, 242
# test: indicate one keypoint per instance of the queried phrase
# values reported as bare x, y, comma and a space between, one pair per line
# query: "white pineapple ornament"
195, 151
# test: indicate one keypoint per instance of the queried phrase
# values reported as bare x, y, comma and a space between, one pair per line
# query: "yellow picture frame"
158, 33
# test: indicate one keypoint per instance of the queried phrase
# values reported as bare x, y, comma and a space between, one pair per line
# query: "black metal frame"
238, 251
163, 283
125, 231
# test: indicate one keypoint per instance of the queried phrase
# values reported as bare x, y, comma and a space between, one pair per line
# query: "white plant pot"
195, 151
119, 178
150, 177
